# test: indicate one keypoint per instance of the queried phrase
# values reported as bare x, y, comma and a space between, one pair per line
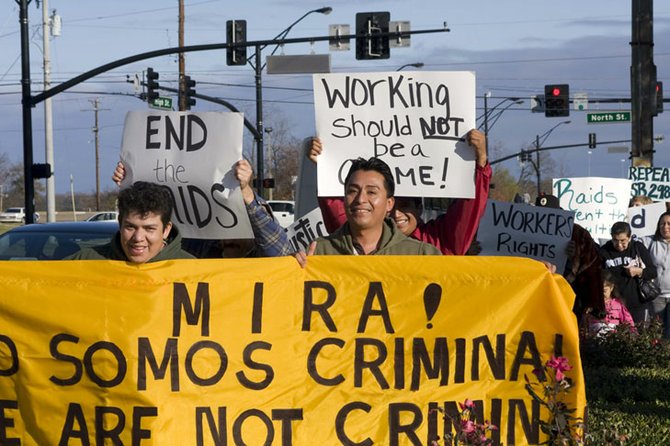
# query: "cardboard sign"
306, 229
653, 182
192, 155
413, 121
513, 229
644, 219
350, 350
598, 203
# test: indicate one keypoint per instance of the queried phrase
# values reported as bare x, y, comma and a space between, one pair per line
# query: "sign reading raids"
415, 122
521, 230
643, 219
597, 202
654, 182
306, 229
192, 155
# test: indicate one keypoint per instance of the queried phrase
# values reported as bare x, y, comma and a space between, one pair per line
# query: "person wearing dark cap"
583, 270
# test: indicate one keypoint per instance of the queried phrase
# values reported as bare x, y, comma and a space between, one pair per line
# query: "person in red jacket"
452, 232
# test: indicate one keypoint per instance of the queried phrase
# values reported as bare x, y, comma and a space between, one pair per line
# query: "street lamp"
415, 65
258, 70
539, 140
488, 113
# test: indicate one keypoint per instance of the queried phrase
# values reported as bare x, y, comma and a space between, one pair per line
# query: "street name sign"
161, 103
608, 117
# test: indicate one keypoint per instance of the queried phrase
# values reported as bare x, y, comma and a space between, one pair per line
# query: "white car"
104, 216
283, 212
16, 215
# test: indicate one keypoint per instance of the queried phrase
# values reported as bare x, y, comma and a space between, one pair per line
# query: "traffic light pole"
29, 101
542, 149
258, 69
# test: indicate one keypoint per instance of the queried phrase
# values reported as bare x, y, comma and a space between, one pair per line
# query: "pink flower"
467, 404
467, 426
559, 364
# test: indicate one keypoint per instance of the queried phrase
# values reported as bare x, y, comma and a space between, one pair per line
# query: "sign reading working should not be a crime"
415, 122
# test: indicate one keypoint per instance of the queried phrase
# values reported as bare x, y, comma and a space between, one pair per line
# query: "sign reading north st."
608, 117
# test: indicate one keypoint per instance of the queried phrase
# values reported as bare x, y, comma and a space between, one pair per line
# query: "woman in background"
659, 250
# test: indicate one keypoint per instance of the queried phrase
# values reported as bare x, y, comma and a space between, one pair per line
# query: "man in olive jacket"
146, 233
368, 200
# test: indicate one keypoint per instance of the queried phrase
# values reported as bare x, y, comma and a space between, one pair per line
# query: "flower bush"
624, 347
468, 431
549, 390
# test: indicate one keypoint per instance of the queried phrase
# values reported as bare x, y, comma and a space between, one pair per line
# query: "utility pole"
182, 62
96, 134
47, 30
268, 130
642, 83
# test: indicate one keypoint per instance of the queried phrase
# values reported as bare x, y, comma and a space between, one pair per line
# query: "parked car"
54, 241
283, 211
16, 215
104, 216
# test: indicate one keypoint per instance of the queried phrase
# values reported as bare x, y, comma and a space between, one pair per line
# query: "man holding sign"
146, 232
270, 239
368, 199
451, 233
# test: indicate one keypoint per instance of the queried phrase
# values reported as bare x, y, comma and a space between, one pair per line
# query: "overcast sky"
514, 47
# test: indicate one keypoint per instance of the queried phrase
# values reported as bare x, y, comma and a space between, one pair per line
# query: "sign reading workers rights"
512, 229
192, 155
414, 121
371, 350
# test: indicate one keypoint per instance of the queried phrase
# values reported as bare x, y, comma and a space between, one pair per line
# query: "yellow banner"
350, 350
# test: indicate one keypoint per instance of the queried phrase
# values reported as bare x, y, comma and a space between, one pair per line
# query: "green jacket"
393, 242
113, 250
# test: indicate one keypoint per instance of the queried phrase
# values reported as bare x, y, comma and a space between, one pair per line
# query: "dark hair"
609, 278
658, 224
143, 197
619, 228
376, 165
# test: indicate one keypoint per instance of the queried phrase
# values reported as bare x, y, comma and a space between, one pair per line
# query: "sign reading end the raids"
192, 155
597, 202
540, 233
644, 219
415, 122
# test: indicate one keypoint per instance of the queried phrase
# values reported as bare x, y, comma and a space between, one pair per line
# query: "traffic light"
659, 99
41, 170
187, 92
152, 84
557, 100
236, 32
592, 141
369, 43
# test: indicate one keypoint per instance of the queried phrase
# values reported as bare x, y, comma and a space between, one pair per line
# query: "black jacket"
614, 261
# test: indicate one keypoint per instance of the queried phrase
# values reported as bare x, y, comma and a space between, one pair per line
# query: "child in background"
616, 312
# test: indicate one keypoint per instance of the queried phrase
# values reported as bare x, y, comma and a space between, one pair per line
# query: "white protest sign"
598, 203
643, 219
522, 230
413, 121
306, 229
654, 182
192, 154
